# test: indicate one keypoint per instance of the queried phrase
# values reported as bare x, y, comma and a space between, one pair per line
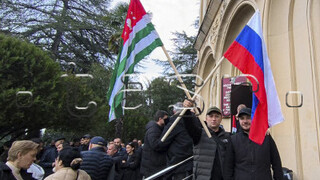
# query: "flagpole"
185, 89
197, 92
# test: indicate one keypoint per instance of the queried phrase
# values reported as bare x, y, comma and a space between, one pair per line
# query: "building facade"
291, 31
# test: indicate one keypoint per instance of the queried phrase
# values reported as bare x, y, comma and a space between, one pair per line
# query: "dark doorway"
240, 94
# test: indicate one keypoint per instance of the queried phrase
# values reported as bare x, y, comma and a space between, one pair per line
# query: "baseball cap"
59, 138
244, 111
213, 109
86, 136
98, 140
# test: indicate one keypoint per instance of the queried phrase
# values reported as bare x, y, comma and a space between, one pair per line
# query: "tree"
72, 30
162, 94
36, 94
30, 91
134, 120
184, 56
116, 18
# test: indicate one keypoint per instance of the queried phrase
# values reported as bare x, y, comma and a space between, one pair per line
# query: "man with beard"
248, 160
153, 153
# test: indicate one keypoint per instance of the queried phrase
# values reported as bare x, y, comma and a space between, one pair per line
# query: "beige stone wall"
292, 34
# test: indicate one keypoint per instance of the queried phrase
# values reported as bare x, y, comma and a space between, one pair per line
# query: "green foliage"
134, 119
134, 124
84, 32
184, 56
25, 67
163, 93
116, 19
54, 97
80, 92
72, 30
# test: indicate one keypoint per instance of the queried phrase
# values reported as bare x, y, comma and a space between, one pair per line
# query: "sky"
167, 16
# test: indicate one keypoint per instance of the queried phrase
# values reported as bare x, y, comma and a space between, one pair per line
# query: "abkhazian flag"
249, 54
139, 38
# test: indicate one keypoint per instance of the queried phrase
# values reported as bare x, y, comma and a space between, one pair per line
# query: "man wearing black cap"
84, 142
96, 162
248, 160
208, 153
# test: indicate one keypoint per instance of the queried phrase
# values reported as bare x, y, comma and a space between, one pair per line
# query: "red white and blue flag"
249, 54
234, 125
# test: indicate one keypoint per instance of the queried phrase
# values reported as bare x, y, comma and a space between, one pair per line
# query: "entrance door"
240, 94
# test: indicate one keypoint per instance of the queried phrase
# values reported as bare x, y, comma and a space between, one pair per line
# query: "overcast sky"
168, 16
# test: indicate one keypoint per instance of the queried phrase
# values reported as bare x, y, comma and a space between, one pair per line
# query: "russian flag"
248, 53
234, 125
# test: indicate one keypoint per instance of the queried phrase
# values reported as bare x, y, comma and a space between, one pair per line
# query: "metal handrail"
164, 171
188, 177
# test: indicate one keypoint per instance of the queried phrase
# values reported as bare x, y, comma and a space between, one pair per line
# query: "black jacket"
246, 160
116, 161
84, 147
6, 174
96, 163
47, 159
153, 155
179, 145
129, 170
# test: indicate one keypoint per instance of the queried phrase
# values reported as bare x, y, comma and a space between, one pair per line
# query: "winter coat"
116, 161
153, 156
6, 173
179, 145
96, 163
67, 173
47, 159
205, 154
84, 147
130, 169
205, 149
248, 160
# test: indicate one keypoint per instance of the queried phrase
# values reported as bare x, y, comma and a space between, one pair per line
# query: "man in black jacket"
179, 146
116, 157
50, 154
208, 153
84, 142
248, 160
96, 162
153, 154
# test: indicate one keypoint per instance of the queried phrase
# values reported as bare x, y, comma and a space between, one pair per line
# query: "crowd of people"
221, 157
81, 159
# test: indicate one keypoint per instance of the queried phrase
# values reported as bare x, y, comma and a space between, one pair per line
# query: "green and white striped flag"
139, 39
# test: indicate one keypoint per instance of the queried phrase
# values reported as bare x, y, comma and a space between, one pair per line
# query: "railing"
168, 169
